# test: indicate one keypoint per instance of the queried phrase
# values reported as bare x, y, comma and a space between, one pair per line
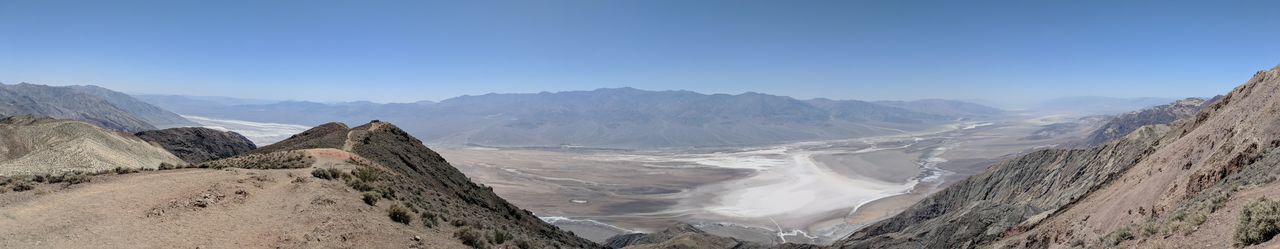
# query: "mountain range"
611, 117
91, 104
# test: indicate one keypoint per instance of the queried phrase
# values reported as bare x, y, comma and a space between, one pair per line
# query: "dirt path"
203, 208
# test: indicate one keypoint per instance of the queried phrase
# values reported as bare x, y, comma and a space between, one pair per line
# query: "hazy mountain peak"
96, 105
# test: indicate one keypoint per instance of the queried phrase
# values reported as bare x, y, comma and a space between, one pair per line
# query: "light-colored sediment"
764, 194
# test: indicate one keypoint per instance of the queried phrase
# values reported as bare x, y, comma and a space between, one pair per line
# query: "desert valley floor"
770, 194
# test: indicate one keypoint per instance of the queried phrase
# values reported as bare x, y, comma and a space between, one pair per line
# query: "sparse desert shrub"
471, 237
167, 166
1118, 236
123, 170
1074, 243
75, 178
1149, 229
1181, 227
430, 219
327, 174
1218, 200
458, 223
371, 198
399, 214
367, 174
1197, 219
20, 186
1259, 221
523, 244
359, 185
39, 178
499, 236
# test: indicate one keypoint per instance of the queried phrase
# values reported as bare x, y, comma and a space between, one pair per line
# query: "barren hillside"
30, 145
371, 186
1186, 184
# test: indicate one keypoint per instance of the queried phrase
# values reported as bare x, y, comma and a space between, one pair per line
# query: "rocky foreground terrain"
371, 186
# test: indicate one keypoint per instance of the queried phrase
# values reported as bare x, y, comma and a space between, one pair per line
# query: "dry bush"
18, 183
399, 214
123, 170
471, 237
1259, 221
1118, 236
327, 174
430, 219
359, 185
499, 236
274, 160
371, 198
368, 174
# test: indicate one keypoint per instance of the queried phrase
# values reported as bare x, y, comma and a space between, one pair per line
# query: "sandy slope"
243, 209
42, 145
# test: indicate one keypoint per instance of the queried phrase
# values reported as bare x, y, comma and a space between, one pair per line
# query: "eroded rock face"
1156, 175
197, 144
982, 208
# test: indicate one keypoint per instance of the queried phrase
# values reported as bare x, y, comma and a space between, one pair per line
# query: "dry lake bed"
807, 192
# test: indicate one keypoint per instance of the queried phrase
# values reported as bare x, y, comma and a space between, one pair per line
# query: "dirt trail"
204, 208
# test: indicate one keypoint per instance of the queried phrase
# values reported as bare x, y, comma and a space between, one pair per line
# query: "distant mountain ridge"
609, 117
1100, 105
91, 104
946, 107
1123, 124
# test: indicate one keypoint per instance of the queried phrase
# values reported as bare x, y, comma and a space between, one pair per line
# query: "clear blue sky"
430, 50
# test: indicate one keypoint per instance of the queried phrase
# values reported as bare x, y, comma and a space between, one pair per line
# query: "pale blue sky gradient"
429, 50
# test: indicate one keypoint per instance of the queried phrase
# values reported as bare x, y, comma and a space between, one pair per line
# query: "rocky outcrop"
197, 144
429, 186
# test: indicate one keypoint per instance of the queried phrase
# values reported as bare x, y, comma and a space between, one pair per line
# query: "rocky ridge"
197, 144
1144, 190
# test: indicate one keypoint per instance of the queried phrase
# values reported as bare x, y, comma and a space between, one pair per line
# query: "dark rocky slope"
428, 185
197, 144
1011, 194
1155, 187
